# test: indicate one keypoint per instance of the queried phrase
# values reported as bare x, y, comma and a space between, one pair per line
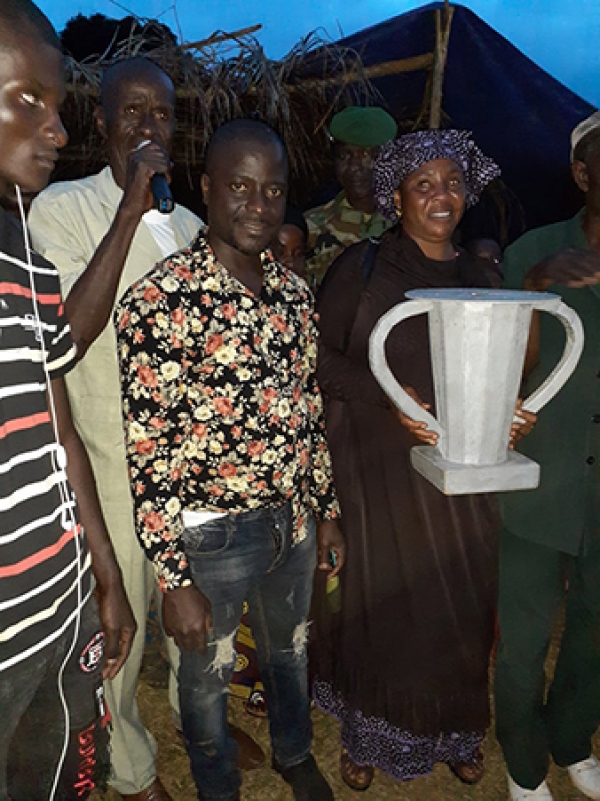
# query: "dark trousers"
529, 726
32, 727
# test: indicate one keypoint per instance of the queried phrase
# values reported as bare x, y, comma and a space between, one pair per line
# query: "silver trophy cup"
478, 340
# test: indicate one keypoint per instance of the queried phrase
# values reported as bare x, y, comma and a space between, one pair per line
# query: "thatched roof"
221, 78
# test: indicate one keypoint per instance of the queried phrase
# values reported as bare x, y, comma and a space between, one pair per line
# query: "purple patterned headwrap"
399, 158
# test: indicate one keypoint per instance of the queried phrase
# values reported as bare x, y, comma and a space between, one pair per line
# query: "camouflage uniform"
331, 229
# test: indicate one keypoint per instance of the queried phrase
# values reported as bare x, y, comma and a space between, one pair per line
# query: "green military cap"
364, 127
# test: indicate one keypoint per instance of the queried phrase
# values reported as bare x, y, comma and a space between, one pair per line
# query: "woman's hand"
416, 427
522, 424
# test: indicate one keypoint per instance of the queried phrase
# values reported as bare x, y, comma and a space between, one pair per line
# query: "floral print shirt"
221, 405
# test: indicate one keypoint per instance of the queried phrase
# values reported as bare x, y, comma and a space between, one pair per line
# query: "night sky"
560, 35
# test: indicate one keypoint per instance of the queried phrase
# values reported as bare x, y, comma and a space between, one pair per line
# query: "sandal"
357, 777
469, 772
256, 705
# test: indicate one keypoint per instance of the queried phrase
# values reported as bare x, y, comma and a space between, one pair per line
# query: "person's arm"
523, 269
325, 503
90, 303
323, 497
568, 267
115, 613
340, 376
157, 424
91, 297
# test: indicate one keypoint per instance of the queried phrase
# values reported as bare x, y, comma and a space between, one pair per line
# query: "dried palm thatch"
225, 77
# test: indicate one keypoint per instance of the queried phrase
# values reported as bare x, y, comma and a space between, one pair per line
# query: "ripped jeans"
240, 557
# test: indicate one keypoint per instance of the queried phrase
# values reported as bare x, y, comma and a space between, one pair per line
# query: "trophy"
478, 341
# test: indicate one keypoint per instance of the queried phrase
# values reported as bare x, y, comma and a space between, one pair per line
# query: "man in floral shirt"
228, 458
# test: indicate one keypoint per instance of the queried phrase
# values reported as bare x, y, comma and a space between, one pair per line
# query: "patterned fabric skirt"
401, 754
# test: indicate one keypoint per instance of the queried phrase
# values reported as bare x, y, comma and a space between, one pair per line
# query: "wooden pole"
443, 24
220, 36
423, 62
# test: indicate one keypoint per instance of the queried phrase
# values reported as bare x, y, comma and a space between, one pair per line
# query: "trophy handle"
568, 362
381, 370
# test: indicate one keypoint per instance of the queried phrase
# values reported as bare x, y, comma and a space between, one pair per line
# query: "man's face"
245, 196
139, 107
32, 89
354, 170
587, 178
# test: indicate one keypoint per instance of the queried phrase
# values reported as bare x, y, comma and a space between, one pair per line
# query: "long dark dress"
404, 664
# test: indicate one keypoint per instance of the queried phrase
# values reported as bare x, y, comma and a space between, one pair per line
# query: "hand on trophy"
416, 427
522, 424
569, 267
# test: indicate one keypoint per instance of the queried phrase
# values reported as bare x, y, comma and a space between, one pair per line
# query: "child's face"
290, 249
32, 88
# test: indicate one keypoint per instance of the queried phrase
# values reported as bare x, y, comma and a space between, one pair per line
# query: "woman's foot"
469, 772
358, 777
256, 705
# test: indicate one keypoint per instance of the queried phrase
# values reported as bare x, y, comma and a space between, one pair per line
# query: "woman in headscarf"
403, 663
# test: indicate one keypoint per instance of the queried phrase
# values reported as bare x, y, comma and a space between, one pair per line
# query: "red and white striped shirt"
44, 561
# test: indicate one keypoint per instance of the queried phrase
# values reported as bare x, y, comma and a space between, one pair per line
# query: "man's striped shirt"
44, 561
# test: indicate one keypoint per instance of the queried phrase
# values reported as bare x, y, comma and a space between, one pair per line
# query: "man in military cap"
356, 134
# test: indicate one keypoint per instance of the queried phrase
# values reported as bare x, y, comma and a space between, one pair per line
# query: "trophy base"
452, 478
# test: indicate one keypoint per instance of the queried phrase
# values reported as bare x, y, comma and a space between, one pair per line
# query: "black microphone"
161, 192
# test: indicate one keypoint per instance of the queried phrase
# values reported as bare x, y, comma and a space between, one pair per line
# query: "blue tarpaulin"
519, 114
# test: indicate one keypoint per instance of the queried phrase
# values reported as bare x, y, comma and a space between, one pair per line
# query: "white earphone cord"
59, 463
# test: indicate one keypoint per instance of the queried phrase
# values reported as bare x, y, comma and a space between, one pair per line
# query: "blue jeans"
248, 556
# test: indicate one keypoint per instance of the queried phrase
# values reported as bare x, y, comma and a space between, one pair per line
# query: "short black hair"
112, 74
242, 129
23, 16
